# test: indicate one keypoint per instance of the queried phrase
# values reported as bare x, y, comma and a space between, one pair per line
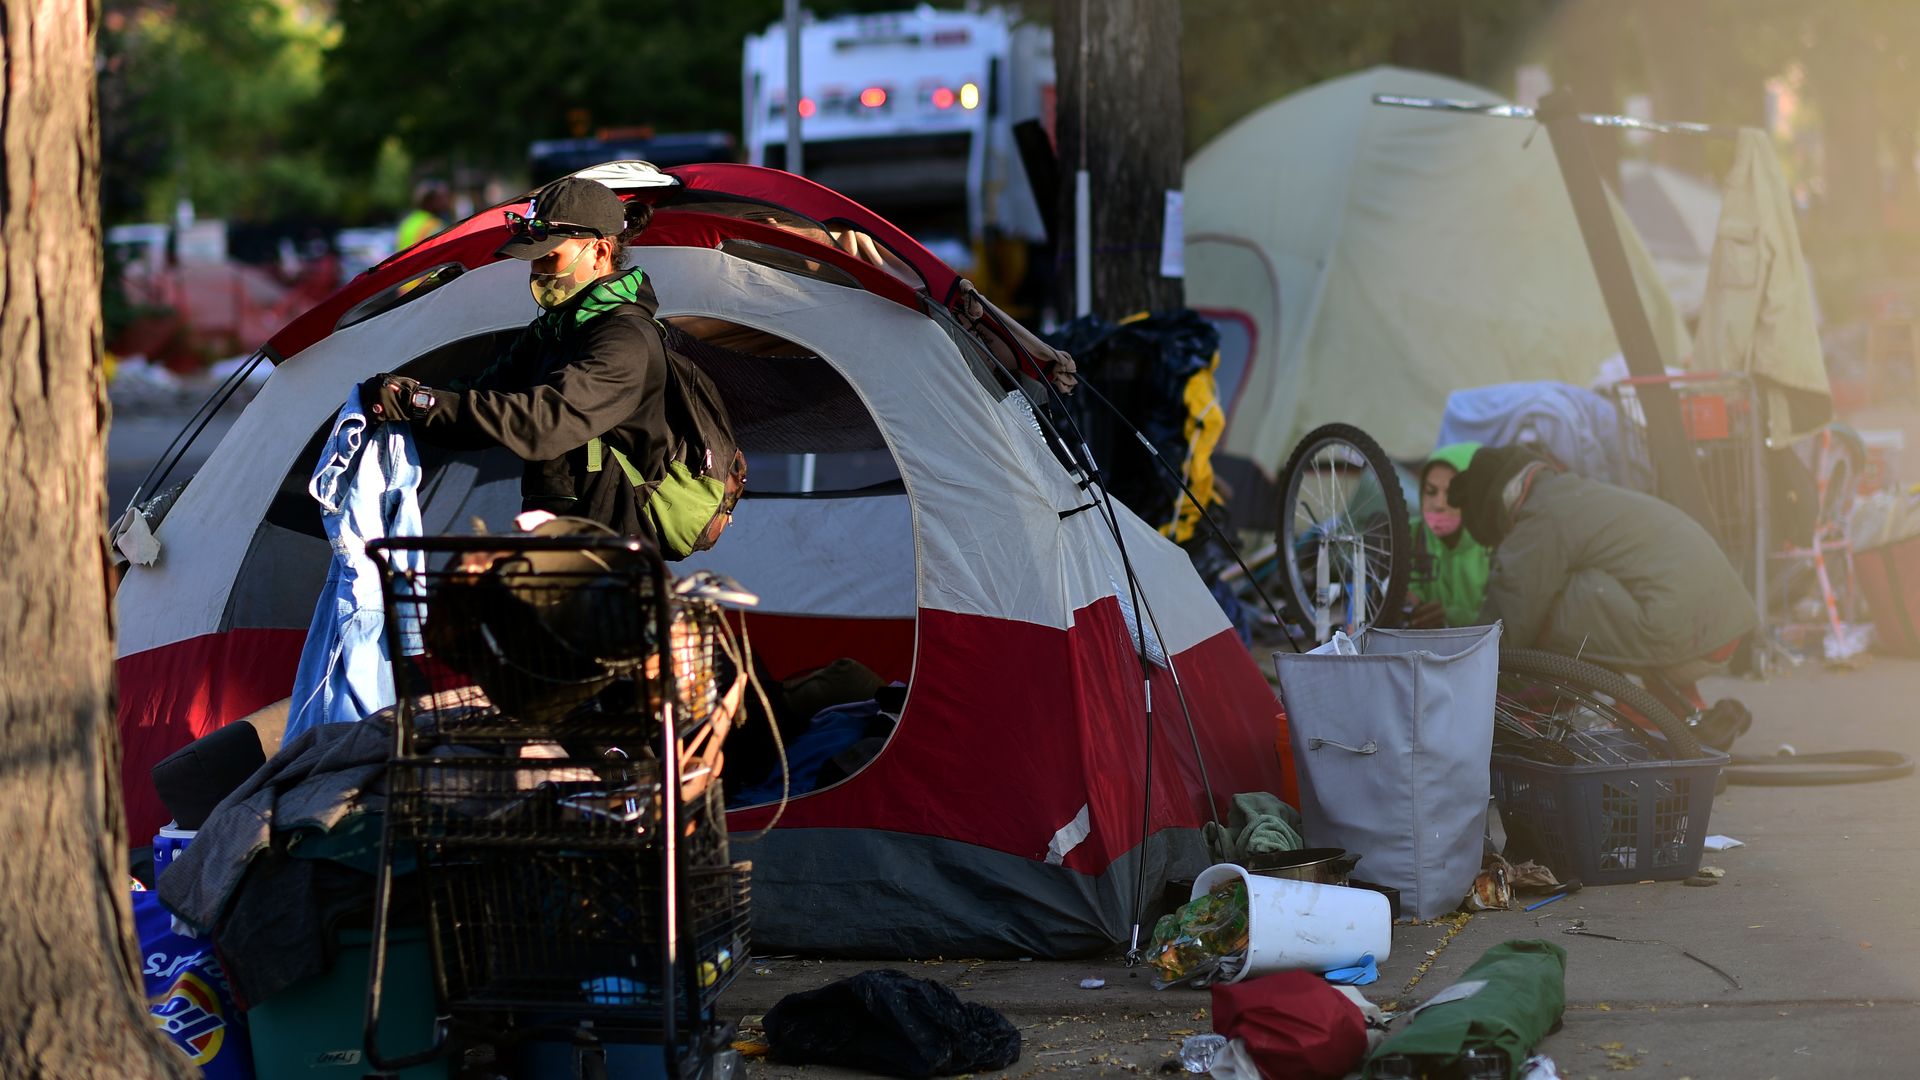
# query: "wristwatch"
422, 401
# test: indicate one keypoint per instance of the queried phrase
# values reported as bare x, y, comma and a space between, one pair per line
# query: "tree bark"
69, 976
1128, 121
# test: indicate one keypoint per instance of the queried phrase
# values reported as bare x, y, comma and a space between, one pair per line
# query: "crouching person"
1612, 576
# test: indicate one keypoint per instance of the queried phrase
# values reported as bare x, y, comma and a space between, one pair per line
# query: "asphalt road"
138, 439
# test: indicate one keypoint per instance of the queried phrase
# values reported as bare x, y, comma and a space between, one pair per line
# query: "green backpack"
692, 504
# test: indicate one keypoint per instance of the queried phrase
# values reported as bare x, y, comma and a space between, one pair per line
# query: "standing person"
1453, 580
431, 204
612, 425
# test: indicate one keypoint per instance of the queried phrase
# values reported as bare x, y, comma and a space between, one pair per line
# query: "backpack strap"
597, 453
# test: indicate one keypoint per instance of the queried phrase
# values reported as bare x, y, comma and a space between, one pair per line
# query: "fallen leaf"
1604, 1007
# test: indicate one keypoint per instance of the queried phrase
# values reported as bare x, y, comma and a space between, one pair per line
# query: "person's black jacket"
596, 367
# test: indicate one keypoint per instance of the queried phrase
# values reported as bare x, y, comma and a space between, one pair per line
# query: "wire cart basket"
1726, 432
554, 781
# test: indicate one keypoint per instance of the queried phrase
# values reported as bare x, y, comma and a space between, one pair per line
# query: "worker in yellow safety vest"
431, 202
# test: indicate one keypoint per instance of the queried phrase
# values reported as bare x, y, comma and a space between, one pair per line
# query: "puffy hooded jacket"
1451, 573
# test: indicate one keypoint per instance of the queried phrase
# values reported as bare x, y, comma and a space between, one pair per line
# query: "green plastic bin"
314, 1030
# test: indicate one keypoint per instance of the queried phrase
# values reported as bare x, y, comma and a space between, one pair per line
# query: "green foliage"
198, 100
1238, 55
471, 83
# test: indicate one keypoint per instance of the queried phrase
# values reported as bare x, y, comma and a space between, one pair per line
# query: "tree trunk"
1128, 122
69, 978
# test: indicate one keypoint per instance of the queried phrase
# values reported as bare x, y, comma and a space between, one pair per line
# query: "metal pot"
1319, 866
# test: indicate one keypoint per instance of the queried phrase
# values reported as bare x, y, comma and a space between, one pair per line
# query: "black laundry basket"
1609, 824
563, 689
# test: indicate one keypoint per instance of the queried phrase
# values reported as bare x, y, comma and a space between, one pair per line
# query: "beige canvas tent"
1364, 261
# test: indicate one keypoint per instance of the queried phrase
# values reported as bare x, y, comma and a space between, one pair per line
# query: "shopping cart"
1726, 436
554, 777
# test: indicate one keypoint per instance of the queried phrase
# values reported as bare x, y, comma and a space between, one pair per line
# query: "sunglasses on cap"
537, 230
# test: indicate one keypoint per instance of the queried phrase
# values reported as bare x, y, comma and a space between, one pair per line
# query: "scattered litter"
1092, 984
1579, 929
1846, 644
1566, 890
1198, 1051
1203, 942
1539, 1067
1710, 871
1492, 889
1364, 973
1530, 876
1716, 842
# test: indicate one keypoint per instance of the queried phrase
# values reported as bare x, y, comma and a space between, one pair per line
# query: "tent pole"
1673, 463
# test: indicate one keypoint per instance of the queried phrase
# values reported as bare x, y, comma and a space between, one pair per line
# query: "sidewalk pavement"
1815, 920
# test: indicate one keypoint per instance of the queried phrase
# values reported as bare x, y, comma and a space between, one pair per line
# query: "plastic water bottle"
1198, 1052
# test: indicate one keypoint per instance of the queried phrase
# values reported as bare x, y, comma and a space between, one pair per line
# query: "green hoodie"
1456, 573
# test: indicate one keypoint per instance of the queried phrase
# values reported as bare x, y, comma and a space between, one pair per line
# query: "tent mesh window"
792, 406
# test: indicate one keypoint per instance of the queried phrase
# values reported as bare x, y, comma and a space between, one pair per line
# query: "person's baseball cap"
564, 209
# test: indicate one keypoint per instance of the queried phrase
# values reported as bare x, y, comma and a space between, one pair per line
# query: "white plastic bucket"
1300, 926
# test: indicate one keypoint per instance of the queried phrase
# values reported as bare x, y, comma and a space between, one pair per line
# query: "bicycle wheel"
1344, 537
1564, 711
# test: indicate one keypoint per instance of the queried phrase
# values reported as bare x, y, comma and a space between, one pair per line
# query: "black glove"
396, 397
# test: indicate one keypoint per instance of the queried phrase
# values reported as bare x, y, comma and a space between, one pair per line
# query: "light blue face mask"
552, 290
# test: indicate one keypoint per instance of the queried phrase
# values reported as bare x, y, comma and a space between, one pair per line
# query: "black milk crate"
1609, 824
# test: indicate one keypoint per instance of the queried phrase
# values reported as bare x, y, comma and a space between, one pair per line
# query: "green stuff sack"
1510, 999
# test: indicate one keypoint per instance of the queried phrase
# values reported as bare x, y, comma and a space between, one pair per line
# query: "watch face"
422, 400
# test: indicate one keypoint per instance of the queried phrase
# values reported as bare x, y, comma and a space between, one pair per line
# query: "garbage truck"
912, 114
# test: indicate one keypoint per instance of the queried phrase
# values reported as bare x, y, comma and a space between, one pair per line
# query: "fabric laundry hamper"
1393, 745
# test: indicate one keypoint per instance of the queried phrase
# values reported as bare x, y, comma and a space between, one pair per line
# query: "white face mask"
552, 290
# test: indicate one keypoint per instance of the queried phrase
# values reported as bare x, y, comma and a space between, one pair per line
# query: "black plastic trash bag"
891, 1023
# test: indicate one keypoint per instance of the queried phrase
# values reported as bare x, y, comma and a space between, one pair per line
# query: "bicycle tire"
1576, 676
1399, 546
1759, 771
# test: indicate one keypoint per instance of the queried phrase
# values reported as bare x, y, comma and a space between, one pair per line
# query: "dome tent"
1004, 816
1366, 261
